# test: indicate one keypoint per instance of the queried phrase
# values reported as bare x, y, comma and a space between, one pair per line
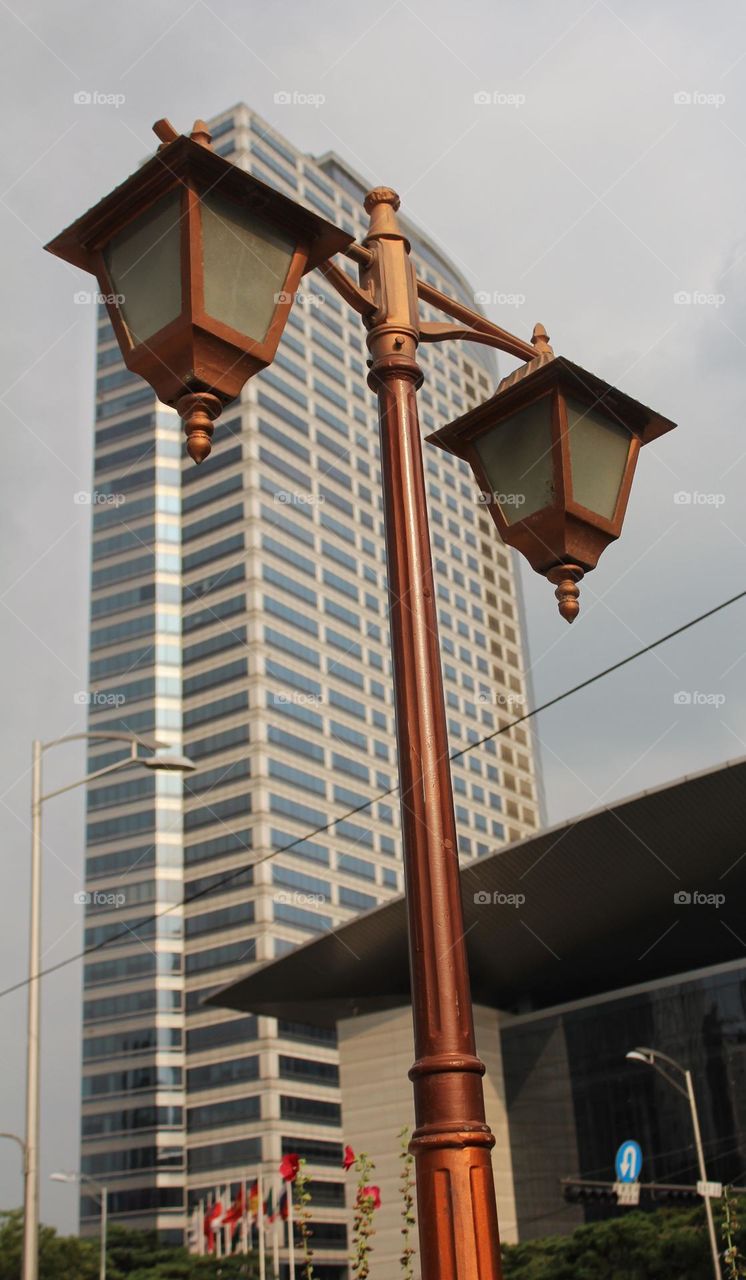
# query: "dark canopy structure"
636, 891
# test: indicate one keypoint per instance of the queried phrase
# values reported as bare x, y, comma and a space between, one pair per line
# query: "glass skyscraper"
239, 613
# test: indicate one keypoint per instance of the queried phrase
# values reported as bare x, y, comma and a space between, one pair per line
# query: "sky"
583, 165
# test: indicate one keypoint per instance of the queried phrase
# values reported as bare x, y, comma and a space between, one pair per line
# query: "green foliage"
408, 1219
131, 1255
670, 1244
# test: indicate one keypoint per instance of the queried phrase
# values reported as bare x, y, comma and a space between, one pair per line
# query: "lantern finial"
198, 411
565, 577
540, 341
165, 132
201, 134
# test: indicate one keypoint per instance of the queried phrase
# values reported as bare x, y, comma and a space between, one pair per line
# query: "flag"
211, 1221
235, 1212
269, 1206
253, 1205
283, 1207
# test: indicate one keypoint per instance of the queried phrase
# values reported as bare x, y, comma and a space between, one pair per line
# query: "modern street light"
103, 1198
199, 373
660, 1062
31, 1165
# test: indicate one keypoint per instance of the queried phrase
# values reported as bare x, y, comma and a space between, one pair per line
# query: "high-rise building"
239, 612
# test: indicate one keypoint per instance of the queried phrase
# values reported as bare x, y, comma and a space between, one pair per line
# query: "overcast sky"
603, 183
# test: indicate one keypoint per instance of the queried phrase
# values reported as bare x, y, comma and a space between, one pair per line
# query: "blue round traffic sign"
628, 1161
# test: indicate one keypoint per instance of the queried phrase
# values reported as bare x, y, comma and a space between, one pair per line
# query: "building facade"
239, 612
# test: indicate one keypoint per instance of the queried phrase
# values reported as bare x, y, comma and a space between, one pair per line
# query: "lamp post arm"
13, 1137
502, 339
98, 773
101, 736
670, 1080
361, 300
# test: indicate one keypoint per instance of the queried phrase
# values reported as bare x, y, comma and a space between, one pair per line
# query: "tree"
131, 1255
669, 1244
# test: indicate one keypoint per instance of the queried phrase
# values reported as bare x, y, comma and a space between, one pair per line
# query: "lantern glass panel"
517, 458
245, 266
144, 266
599, 448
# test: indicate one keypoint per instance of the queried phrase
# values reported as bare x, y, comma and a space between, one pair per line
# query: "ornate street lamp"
210, 316
554, 453
197, 262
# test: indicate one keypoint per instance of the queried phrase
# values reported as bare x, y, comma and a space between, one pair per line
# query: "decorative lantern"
198, 263
554, 452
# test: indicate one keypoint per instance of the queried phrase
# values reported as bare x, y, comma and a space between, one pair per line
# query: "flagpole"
276, 1239
227, 1235
201, 1229
291, 1232
244, 1211
260, 1212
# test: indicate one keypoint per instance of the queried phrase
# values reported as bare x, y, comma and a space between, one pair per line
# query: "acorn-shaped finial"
198, 411
565, 577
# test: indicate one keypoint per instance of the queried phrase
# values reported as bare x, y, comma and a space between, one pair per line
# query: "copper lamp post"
569, 439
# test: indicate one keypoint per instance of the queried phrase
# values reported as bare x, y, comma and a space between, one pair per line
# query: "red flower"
371, 1193
348, 1159
289, 1166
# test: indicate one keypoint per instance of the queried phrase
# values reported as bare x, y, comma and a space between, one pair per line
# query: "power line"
381, 795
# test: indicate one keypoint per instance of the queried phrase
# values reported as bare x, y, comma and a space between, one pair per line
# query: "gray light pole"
654, 1058
103, 1196
178, 764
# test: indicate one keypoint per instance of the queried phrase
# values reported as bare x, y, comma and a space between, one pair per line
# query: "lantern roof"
539, 375
171, 165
